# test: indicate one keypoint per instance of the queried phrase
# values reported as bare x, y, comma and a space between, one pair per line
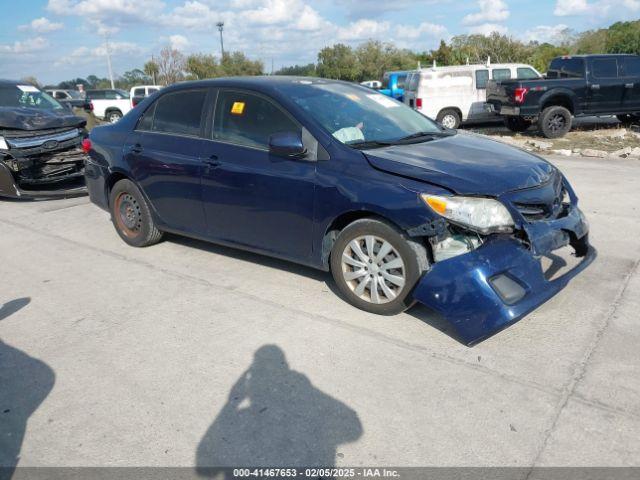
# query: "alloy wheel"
373, 269
557, 123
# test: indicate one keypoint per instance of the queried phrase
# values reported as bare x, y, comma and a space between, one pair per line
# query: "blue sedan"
343, 179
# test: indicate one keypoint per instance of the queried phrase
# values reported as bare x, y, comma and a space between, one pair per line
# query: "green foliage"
542, 55
339, 62
200, 66
308, 70
623, 37
237, 63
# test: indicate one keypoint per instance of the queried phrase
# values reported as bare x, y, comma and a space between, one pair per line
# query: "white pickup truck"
110, 105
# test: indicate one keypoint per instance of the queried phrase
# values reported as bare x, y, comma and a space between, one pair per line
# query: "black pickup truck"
574, 86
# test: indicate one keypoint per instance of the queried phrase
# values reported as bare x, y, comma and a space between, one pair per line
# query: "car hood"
464, 163
21, 118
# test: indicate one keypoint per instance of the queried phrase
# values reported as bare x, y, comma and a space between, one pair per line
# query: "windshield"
355, 115
26, 96
74, 94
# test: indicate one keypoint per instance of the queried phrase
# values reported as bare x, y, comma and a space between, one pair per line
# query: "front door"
250, 196
165, 158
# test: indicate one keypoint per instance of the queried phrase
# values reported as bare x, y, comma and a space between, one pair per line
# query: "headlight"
483, 215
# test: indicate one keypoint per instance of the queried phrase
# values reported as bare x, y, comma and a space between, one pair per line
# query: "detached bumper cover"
464, 289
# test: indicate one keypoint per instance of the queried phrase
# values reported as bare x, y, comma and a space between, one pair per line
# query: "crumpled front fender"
464, 289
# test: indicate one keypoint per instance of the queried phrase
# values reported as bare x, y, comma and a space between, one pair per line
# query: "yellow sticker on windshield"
353, 97
237, 108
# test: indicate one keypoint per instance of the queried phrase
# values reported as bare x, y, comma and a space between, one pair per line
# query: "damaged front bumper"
495, 285
37, 165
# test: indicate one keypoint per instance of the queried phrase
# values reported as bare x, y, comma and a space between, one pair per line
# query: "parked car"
109, 105
457, 94
574, 86
374, 84
40, 144
393, 84
140, 92
335, 176
73, 98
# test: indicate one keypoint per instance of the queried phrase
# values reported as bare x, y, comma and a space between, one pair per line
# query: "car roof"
262, 82
596, 55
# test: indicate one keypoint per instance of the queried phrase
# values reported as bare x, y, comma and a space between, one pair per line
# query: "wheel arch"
112, 179
559, 99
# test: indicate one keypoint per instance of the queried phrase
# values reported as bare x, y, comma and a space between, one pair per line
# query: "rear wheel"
555, 122
376, 267
131, 216
628, 118
449, 118
516, 124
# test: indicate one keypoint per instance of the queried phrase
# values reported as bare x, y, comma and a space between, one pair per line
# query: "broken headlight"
482, 215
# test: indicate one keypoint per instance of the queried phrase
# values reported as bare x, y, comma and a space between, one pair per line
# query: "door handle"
212, 161
628, 85
595, 87
137, 149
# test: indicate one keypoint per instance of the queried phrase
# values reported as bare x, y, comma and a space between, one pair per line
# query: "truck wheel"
375, 266
628, 118
113, 116
555, 122
131, 215
516, 124
449, 118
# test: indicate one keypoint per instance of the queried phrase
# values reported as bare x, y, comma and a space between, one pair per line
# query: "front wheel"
628, 118
516, 124
114, 116
375, 266
131, 215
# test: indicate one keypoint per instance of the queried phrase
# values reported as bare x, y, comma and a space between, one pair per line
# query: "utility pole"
106, 40
220, 26
153, 62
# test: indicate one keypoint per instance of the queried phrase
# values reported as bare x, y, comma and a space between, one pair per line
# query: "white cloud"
363, 29
488, 29
28, 46
546, 34
85, 55
411, 32
596, 9
490, 11
178, 42
41, 25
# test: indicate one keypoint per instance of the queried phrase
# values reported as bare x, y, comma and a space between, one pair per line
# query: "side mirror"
287, 144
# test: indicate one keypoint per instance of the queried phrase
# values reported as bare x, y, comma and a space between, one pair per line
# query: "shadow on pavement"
24, 383
275, 417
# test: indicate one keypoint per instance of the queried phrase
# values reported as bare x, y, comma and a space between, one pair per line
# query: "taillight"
91, 106
86, 145
520, 93
418, 103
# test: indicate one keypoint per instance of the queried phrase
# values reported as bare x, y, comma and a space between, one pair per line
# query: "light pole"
220, 26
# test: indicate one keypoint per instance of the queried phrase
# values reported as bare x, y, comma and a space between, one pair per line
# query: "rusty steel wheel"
131, 215
128, 216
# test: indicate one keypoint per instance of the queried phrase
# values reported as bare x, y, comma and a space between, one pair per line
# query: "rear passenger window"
501, 74
525, 73
482, 77
631, 66
145, 122
605, 68
138, 92
248, 119
179, 113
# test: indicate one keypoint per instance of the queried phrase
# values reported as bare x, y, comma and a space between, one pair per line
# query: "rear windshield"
27, 96
566, 68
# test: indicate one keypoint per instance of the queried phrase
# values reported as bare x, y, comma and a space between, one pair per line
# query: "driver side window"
248, 119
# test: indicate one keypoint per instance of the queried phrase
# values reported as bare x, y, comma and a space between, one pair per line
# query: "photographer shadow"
275, 417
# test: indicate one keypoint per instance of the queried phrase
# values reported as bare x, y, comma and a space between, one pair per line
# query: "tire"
517, 124
113, 116
628, 118
131, 215
449, 118
555, 122
393, 294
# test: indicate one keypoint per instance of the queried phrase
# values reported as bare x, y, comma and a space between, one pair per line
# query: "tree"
542, 55
339, 62
132, 78
171, 65
308, 70
200, 66
237, 63
623, 37
375, 58
31, 81
151, 69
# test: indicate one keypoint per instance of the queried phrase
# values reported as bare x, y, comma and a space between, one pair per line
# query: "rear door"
251, 197
630, 73
165, 156
606, 89
477, 111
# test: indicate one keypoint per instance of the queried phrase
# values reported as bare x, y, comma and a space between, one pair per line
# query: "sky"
55, 40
